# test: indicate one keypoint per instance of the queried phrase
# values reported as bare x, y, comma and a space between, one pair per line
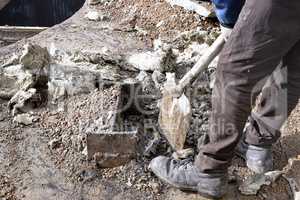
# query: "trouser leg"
279, 97
258, 43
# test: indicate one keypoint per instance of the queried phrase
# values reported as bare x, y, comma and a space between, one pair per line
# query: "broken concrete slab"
28, 71
160, 60
14, 78
20, 102
93, 16
34, 58
202, 8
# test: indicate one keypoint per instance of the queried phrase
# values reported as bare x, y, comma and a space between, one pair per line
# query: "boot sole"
188, 189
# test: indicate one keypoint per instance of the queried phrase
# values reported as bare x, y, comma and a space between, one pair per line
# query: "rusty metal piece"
118, 144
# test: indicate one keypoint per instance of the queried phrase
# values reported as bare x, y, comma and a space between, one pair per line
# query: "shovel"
175, 109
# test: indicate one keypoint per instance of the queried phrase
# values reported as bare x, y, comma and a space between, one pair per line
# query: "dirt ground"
47, 160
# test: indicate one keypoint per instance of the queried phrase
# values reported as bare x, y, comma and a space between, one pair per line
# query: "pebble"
53, 144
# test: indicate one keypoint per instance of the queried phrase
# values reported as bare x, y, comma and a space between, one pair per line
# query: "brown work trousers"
262, 55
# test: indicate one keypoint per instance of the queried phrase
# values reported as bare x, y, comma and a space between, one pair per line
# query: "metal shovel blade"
175, 115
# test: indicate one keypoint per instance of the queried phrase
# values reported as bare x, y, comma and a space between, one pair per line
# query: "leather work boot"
258, 159
185, 176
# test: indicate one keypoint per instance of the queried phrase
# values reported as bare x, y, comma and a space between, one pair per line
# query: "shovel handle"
203, 62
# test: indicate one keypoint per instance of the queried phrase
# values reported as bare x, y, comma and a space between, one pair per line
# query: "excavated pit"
47, 159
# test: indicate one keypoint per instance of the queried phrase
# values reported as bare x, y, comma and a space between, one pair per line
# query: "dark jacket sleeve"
228, 11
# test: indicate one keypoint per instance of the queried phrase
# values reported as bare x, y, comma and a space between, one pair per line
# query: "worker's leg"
278, 99
265, 32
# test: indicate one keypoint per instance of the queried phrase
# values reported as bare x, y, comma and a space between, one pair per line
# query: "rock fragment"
183, 154
252, 185
160, 60
95, 16
203, 9
53, 144
25, 119
292, 174
34, 58
20, 101
95, 2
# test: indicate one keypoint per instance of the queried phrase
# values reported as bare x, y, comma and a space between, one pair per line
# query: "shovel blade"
174, 118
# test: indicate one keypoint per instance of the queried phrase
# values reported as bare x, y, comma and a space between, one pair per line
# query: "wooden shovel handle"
202, 63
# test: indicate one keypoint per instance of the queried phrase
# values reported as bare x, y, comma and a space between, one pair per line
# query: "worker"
265, 39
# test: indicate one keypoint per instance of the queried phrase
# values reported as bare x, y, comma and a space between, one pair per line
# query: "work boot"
185, 176
258, 159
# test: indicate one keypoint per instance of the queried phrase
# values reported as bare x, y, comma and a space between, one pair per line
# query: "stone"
252, 185
34, 58
95, 2
53, 144
146, 61
203, 9
155, 187
25, 119
94, 16
17, 80
292, 175
160, 60
183, 154
20, 100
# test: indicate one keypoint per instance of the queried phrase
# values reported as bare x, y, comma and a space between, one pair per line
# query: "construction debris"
253, 184
153, 60
34, 58
112, 149
20, 102
54, 143
95, 16
203, 9
183, 154
25, 119
292, 174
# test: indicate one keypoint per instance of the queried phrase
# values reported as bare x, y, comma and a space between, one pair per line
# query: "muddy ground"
47, 160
